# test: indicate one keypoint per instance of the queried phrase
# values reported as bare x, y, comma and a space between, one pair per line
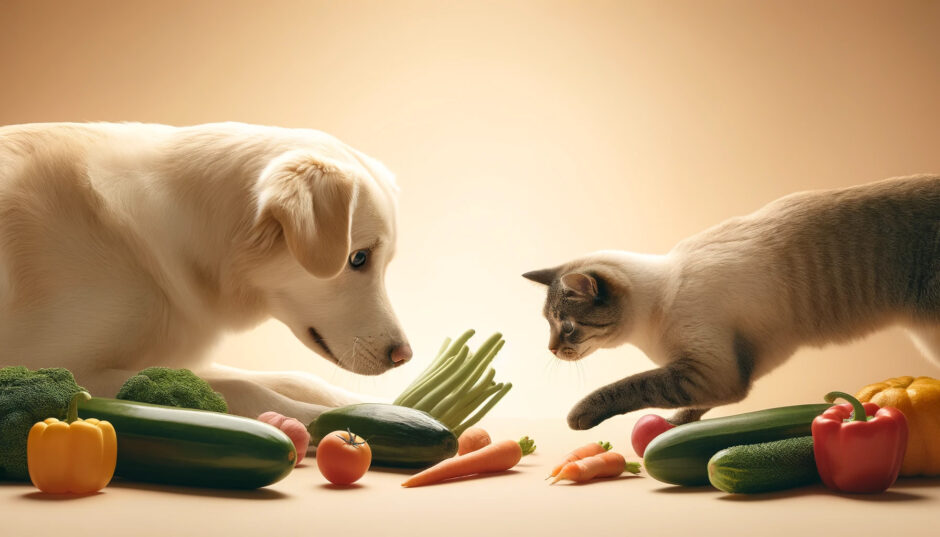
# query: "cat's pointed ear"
581, 284
543, 276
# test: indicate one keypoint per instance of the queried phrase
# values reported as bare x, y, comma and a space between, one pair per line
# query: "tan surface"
523, 133
517, 503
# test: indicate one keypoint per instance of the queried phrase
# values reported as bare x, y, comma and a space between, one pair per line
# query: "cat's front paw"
584, 416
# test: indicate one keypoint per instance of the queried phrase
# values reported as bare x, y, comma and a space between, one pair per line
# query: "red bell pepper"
859, 448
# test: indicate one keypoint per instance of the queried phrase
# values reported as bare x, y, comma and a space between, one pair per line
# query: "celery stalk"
483, 411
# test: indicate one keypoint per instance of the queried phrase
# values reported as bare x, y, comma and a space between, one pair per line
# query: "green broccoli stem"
72, 413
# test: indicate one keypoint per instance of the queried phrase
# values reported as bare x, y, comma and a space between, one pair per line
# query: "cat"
731, 303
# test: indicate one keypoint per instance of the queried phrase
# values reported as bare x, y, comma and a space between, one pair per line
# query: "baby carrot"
608, 464
497, 457
586, 450
471, 440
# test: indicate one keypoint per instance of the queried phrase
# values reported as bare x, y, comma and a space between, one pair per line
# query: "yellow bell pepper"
73, 456
919, 400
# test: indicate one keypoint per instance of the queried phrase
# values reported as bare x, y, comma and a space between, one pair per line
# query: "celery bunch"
456, 384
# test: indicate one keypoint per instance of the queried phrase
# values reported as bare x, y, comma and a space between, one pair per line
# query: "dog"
124, 246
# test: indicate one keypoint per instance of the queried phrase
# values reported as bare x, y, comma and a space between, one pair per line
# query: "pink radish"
292, 428
646, 429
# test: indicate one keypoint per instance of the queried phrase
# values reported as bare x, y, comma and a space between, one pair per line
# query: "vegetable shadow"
596, 481
682, 489
889, 496
392, 470
463, 479
333, 486
47, 497
256, 494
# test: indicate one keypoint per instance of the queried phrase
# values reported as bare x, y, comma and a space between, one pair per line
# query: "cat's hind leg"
927, 339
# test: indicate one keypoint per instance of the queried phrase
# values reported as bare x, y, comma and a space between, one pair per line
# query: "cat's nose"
552, 349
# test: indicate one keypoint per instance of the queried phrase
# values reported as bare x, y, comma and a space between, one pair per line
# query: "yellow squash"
73, 456
919, 400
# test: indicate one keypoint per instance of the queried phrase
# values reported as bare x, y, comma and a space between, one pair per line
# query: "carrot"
472, 439
607, 464
497, 457
586, 450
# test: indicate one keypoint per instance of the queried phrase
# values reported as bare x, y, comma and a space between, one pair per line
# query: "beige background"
523, 134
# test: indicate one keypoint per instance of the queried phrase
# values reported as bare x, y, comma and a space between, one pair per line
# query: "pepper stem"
73, 406
858, 410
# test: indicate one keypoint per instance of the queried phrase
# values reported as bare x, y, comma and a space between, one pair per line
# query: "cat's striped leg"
687, 415
693, 383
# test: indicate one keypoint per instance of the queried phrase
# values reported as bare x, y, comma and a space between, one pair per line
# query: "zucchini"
680, 456
161, 444
398, 436
765, 467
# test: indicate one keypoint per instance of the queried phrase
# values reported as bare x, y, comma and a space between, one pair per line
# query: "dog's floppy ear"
312, 199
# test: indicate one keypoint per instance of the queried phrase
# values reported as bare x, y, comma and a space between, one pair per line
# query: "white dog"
124, 246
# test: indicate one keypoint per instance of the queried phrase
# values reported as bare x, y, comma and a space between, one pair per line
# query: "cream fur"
124, 246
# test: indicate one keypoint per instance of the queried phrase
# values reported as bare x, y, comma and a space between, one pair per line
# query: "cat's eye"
567, 327
358, 259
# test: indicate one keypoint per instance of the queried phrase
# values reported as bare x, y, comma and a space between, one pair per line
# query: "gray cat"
728, 305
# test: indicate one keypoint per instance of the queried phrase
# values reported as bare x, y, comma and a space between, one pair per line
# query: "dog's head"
328, 220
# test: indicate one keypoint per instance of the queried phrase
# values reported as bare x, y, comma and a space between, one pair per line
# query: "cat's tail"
927, 339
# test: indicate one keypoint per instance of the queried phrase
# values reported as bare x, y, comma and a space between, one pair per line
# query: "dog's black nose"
399, 354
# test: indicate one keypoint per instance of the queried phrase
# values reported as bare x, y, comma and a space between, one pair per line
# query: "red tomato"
646, 429
343, 457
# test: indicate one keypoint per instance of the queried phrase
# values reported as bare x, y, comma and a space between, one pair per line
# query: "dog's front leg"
291, 393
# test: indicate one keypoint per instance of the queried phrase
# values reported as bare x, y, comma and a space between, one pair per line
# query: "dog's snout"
399, 354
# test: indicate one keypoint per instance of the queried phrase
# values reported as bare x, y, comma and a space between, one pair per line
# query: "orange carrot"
497, 457
587, 450
608, 464
472, 439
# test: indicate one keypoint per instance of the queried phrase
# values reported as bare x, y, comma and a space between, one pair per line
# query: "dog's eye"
358, 258
567, 327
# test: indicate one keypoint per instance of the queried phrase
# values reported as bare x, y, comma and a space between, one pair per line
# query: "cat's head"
585, 308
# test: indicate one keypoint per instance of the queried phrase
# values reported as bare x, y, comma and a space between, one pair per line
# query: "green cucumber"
176, 446
398, 436
766, 467
680, 456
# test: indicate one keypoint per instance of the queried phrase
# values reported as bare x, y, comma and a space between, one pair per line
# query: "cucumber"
399, 436
680, 456
161, 444
765, 467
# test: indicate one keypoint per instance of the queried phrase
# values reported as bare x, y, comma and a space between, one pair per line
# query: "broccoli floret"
172, 387
27, 397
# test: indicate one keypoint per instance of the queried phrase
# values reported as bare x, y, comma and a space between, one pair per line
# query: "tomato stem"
351, 438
